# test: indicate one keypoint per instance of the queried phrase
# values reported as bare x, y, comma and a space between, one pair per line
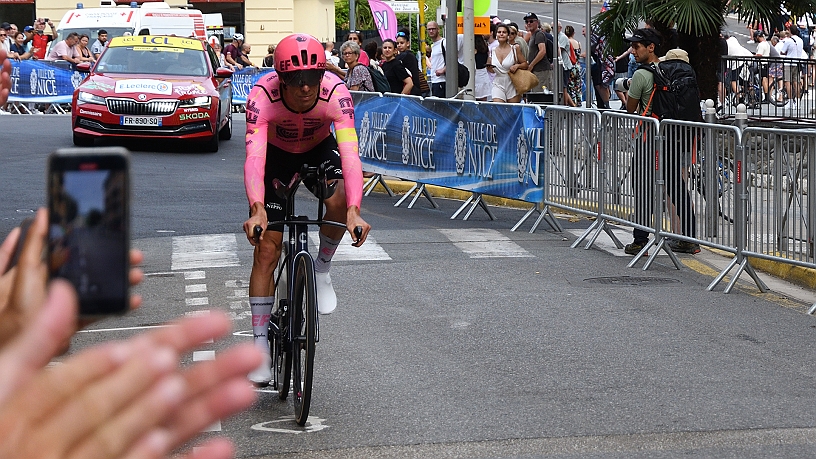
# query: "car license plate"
140, 121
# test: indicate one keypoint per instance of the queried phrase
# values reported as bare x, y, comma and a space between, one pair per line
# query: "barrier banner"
43, 81
242, 82
454, 144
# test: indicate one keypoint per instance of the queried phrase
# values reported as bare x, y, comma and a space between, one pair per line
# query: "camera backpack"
378, 78
675, 94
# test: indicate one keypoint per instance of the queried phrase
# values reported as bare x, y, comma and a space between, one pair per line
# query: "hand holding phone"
89, 226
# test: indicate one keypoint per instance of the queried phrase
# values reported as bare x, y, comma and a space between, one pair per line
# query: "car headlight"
88, 98
201, 101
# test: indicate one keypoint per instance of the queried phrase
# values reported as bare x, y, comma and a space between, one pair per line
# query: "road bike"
294, 326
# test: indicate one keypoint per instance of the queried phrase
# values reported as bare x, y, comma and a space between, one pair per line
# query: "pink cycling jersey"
269, 120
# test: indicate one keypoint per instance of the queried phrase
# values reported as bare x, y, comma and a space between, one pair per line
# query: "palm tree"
698, 24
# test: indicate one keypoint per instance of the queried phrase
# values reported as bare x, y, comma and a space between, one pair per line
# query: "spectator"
99, 45
40, 41
12, 32
356, 37
357, 77
537, 58
398, 77
790, 70
85, 54
409, 61
438, 88
232, 50
482, 83
505, 59
269, 59
515, 37
66, 50
643, 43
564, 48
575, 82
222, 61
6, 37
18, 48
599, 68
162, 405
243, 57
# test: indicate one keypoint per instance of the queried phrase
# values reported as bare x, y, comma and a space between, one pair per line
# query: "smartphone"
89, 226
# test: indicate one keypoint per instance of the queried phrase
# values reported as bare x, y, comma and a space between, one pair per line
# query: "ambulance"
151, 18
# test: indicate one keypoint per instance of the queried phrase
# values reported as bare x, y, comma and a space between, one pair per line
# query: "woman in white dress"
503, 60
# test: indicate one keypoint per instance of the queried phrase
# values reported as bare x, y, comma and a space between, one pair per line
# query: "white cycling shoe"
326, 298
262, 375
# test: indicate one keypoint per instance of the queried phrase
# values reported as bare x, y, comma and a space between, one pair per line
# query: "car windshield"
162, 61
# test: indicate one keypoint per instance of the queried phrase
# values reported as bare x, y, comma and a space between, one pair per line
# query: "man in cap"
643, 43
233, 50
5, 31
537, 54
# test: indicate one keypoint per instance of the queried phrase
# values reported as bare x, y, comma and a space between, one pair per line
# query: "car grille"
131, 107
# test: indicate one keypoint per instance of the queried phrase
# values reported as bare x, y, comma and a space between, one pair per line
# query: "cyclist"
289, 115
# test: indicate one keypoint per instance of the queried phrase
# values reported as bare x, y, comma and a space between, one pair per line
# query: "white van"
151, 18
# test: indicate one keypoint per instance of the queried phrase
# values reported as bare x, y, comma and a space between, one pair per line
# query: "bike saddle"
283, 191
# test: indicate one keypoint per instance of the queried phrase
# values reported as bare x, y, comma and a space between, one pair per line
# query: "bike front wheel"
303, 306
777, 93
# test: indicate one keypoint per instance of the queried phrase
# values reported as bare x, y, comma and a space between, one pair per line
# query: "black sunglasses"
302, 77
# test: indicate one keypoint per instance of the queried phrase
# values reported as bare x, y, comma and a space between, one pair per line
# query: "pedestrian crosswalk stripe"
484, 243
369, 251
204, 251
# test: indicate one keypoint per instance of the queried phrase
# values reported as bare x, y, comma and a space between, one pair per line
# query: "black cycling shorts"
282, 165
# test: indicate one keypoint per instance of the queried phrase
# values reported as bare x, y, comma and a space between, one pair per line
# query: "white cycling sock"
261, 309
324, 256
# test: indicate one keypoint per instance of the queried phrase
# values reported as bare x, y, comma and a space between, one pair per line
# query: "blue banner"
54, 82
494, 149
242, 82
43, 82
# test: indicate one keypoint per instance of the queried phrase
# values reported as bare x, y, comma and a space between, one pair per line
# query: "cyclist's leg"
262, 300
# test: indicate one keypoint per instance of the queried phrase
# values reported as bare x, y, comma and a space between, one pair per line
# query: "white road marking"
369, 251
484, 243
195, 288
199, 356
197, 301
105, 330
194, 275
204, 251
313, 424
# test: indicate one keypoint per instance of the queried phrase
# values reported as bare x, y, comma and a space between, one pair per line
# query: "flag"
384, 19
605, 6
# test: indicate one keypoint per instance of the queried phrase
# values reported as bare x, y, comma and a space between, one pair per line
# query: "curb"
799, 275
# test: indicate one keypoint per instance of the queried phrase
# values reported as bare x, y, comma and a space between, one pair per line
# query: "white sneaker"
326, 298
263, 374
750, 42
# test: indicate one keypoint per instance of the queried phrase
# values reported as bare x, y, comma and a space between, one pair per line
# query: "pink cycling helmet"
299, 51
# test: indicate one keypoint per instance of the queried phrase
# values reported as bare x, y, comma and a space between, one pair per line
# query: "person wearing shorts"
290, 114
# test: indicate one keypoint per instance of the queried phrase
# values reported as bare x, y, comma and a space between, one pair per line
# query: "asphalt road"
462, 339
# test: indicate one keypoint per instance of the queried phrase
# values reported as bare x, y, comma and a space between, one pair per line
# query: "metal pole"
588, 58
558, 69
353, 16
468, 46
451, 51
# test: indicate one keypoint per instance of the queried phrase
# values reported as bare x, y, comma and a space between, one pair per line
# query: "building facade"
262, 22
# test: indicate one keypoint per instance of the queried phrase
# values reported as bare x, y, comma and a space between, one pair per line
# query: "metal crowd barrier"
745, 192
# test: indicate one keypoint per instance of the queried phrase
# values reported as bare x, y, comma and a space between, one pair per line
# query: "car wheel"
226, 132
83, 141
211, 144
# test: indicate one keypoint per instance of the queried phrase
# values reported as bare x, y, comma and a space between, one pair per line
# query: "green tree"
698, 24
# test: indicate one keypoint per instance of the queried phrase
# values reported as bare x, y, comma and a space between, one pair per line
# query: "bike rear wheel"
777, 92
303, 306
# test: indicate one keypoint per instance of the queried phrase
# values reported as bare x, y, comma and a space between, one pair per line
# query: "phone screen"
88, 202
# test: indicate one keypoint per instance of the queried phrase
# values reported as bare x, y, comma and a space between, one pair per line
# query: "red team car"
154, 87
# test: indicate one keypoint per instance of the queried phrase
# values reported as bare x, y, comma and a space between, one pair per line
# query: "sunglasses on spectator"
349, 53
299, 78
355, 31
402, 34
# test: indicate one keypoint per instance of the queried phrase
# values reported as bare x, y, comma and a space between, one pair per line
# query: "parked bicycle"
294, 326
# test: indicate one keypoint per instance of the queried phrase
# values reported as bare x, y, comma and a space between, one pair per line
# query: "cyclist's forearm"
352, 168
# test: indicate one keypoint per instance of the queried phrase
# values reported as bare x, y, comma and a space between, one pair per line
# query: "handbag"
463, 74
523, 80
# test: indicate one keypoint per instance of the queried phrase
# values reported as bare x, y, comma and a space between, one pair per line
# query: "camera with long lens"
622, 84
